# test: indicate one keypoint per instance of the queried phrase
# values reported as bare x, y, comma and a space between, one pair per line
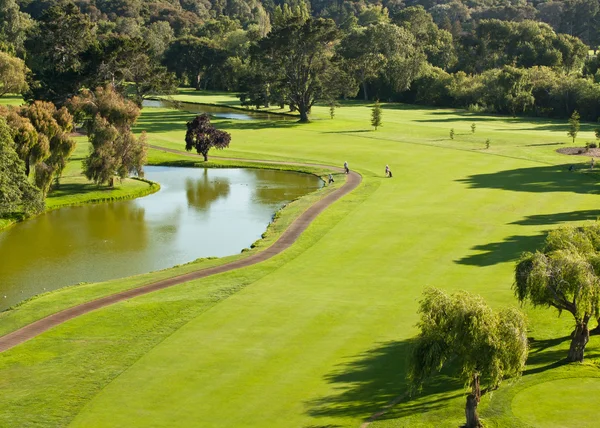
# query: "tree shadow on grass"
504, 251
552, 178
371, 382
539, 219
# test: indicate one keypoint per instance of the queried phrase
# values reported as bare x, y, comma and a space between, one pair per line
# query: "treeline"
394, 51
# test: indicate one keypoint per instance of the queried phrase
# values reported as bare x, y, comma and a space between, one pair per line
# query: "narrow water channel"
197, 213
221, 112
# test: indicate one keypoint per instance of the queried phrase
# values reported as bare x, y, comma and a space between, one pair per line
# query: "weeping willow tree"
462, 329
565, 276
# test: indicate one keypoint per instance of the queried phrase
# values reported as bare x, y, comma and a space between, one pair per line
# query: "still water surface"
197, 213
221, 112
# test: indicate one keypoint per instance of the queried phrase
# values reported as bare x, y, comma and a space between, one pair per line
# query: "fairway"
318, 335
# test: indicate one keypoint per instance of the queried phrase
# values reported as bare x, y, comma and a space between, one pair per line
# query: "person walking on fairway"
346, 167
330, 178
593, 163
387, 170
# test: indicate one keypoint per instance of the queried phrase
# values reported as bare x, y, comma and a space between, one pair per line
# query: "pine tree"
376, 115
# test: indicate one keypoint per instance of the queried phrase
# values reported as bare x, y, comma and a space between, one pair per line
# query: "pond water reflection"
197, 213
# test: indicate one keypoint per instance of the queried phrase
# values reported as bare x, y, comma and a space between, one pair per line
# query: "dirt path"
288, 237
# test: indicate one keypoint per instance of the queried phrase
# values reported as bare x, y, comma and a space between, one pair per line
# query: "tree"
452, 133
116, 151
473, 128
126, 63
296, 59
194, 58
564, 275
383, 50
13, 74
574, 125
56, 53
13, 25
376, 115
202, 136
597, 133
461, 330
16, 192
53, 147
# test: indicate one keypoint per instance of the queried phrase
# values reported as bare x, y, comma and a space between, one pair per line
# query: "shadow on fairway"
504, 251
539, 219
542, 357
552, 178
367, 384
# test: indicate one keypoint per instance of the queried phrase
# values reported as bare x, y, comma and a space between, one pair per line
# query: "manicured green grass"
319, 335
11, 100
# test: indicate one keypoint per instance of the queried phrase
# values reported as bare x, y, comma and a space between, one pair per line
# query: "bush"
475, 108
591, 145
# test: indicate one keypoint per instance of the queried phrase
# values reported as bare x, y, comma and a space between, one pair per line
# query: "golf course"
318, 334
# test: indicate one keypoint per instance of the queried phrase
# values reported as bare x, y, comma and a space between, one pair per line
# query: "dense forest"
511, 57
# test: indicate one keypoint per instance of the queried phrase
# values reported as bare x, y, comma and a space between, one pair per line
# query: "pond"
197, 213
218, 111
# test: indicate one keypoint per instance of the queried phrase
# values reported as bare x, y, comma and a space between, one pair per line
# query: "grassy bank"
319, 335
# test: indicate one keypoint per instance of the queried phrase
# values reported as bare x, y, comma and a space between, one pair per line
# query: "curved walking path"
288, 237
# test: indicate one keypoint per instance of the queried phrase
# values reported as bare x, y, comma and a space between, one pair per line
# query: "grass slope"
318, 336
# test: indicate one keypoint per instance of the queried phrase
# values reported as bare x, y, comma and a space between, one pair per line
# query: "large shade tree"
16, 192
296, 59
57, 50
196, 59
129, 66
462, 331
565, 275
203, 136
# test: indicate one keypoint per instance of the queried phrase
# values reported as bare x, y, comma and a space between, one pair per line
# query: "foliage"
574, 125
202, 136
13, 26
296, 60
452, 133
376, 118
462, 330
40, 133
195, 59
127, 64
383, 51
564, 275
115, 150
473, 128
56, 53
16, 192
13, 74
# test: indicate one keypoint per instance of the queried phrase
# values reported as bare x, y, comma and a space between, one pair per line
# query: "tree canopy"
115, 150
203, 136
16, 192
564, 275
462, 330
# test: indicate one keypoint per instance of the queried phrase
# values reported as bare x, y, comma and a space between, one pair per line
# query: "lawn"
318, 336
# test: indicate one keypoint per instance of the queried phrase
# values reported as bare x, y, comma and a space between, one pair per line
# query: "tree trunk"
27, 166
579, 339
205, 156
472, 403
365, 93
303, 114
